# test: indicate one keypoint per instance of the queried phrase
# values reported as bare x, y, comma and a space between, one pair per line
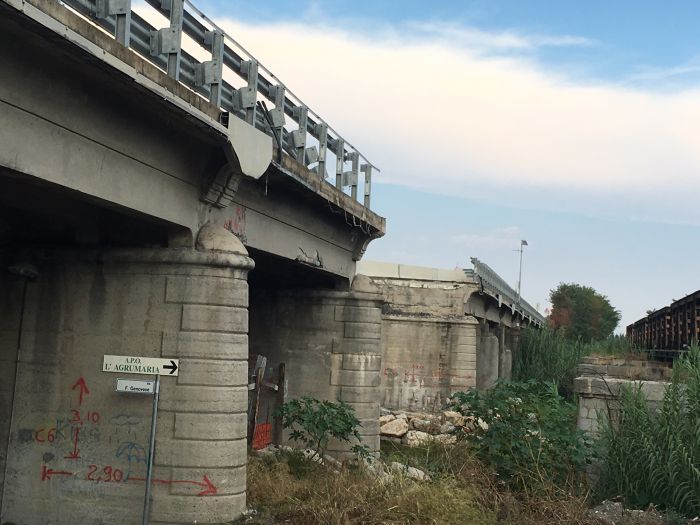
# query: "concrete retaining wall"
601, 380
428, 343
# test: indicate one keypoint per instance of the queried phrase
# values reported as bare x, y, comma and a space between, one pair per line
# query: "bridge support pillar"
487, 357
505, 355
462, 361
77, 449
330, 344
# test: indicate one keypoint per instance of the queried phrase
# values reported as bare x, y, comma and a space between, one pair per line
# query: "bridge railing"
495, 285
218, 68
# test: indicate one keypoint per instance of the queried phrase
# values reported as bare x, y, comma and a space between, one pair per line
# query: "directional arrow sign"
127, 364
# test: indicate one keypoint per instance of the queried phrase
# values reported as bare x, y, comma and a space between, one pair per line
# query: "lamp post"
523, 243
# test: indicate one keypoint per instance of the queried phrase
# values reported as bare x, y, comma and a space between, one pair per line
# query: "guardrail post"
350, 177
367, 170
121, 10
355, 157
300, 113
339, 162
277, 113
168, 41
246, 97
322, 132
210, 72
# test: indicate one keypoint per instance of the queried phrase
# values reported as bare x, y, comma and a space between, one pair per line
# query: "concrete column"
505, 356
78, 449
487, 358
462, 372
330, 344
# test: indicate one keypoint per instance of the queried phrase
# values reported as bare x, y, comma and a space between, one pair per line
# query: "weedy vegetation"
653, 457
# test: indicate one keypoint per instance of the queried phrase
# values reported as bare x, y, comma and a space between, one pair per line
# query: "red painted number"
107, 474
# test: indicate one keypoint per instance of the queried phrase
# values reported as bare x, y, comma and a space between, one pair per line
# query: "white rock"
395, 428
447, 428
409, 472
453, 417
402, 415
386, 419
416, 437
445, 439
421, 424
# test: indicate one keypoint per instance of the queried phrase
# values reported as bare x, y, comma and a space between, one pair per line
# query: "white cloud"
477, 40
437, 113
500, 238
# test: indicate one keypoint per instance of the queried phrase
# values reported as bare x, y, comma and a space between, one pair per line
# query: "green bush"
655, 457
526, 431
313, 423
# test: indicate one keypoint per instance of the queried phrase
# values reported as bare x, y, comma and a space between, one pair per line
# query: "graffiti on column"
82, 425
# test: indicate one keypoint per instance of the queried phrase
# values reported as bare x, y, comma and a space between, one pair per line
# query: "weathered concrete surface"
135, 144
440, 334
81, 458
601, 380
330, 344
429, 344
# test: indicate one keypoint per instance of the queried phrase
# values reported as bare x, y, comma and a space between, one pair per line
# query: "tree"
582, 312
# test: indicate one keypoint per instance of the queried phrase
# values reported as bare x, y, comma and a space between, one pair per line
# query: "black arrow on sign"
172, 367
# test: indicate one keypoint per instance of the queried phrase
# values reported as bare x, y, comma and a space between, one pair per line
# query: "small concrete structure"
443, 331
601, 379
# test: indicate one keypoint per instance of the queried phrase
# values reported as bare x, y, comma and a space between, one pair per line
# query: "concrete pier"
74, 438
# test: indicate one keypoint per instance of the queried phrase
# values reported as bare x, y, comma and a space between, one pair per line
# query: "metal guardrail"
311, 141
497, 287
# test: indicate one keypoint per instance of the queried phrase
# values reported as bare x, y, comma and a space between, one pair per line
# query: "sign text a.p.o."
126, 364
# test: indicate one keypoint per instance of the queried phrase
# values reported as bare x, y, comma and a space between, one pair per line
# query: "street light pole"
523, 243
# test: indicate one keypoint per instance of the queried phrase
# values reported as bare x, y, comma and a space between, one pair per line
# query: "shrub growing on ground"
655, 457
526, 431
313, 423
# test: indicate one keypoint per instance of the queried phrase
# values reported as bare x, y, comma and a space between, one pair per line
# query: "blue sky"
574, 125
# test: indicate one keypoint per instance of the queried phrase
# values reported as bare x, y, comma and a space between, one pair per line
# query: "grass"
654, 458
288, 489
547, 355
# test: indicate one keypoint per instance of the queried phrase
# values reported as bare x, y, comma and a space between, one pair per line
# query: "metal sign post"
151, 453
126, 364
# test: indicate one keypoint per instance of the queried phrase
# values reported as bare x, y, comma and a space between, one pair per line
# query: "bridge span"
162, 195
166, 201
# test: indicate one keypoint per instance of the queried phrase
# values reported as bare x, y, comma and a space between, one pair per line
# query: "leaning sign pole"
125, 364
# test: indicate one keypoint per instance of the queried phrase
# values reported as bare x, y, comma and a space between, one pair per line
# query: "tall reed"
653, 457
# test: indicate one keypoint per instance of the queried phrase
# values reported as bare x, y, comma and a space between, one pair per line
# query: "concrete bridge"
162, 195
443, 331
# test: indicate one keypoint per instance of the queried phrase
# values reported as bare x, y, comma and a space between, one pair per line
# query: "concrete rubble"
417, 428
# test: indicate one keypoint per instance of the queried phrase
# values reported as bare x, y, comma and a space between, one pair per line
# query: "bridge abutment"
78, 448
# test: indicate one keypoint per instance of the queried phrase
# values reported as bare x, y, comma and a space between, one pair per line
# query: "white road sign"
136, 386
129, 364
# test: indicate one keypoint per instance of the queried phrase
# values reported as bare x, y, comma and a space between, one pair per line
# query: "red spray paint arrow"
83, 389
75, 453
206, 484
46, 473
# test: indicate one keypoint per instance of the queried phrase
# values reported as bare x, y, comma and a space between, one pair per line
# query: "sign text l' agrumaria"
128, 364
